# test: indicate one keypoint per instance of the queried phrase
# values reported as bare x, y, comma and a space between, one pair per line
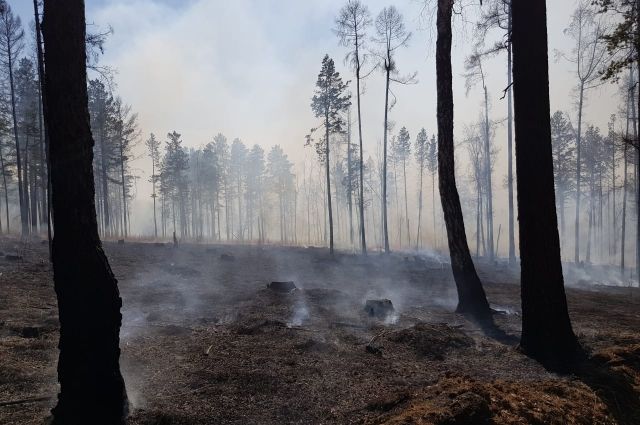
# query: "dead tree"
588, 56
391, 35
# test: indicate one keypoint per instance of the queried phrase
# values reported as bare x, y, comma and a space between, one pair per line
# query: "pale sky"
247, 68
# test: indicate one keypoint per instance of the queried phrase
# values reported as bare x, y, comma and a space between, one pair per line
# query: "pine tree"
421, 152
153, 145
329, 102
563, 149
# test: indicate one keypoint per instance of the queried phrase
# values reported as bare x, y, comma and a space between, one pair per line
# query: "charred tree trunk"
546, 328
91, 386
471, 297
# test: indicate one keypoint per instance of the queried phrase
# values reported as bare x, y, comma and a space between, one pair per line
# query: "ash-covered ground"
204, 341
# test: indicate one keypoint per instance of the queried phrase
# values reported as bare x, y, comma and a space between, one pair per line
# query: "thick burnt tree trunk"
471, 297
92, 389
546, 329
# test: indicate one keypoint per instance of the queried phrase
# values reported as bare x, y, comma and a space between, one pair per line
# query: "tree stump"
380, 309
282, 286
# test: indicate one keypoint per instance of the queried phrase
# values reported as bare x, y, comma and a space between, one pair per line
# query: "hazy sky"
247, 68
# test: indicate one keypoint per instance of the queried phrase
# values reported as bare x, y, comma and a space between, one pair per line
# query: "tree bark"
546, 328
471, 297
91, 386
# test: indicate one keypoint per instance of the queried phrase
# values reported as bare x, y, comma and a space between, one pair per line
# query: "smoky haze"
247, 69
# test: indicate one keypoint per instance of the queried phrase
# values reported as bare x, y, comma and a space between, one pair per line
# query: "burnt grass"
205, 341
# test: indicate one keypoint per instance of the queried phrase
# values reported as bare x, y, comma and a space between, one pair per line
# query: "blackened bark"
92, 389
471, 297
546, 329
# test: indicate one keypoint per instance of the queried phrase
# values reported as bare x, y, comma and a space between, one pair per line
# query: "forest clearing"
204, 340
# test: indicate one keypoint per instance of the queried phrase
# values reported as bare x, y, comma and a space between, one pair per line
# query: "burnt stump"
380, 309
287, 286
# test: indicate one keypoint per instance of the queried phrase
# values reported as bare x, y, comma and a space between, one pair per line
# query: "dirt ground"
204, 341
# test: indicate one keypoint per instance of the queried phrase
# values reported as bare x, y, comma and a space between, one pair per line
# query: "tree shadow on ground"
493, 331
614, 375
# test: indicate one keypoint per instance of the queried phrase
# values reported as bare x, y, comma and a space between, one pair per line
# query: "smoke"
300, 314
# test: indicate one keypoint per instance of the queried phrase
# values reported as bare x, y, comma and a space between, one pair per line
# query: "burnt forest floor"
204, 341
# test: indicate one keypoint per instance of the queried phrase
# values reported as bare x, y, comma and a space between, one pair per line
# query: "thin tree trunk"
547, 334
327, 169
624, 211
487, 165
25, 185
419, 207
23, 209
578, 175
471, 296
406, 202
124, 189
385, 229
153, 177
363, 239
349, 181
6, 191
433, 205
590, 225
103, 169
91, 386
512, 244
43, 103
635, 176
